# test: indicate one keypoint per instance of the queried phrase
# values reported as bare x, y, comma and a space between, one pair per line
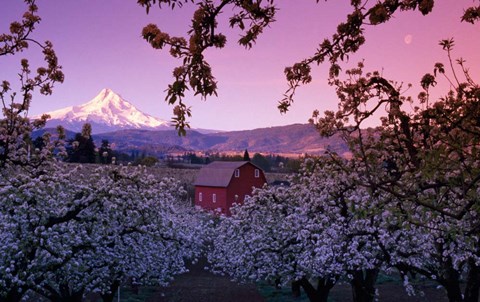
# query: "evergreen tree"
262, 162
105, 152
194, 159
246, 156
82, 148
38, 143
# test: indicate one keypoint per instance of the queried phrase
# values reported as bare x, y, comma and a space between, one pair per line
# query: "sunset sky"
99, 46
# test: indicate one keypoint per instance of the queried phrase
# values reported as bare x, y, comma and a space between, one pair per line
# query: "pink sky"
99, 46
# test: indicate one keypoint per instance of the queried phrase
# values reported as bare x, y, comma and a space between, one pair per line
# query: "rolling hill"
291, 139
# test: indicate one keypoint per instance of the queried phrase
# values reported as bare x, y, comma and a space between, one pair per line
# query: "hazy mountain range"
297, 138
127, 128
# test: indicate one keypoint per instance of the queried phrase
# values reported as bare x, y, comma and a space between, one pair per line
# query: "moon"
408, 39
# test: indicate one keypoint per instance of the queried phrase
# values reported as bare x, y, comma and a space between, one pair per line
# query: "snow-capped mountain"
106, 112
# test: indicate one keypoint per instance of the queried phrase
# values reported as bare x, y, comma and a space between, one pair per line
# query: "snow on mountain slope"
107, 111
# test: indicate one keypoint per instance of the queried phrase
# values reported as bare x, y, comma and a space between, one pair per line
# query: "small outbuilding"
222, 183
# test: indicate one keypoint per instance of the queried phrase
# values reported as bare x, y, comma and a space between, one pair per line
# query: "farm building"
220, 184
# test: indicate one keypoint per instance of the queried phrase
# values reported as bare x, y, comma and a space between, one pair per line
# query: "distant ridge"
127, 128
291, 139
107, 112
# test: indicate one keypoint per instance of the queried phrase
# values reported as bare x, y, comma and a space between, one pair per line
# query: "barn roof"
218, 173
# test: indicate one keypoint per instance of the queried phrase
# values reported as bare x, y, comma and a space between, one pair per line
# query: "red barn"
222, 183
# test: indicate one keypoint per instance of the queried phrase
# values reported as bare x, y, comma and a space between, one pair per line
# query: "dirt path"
199, 285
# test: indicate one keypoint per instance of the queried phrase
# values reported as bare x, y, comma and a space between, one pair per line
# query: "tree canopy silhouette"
251, 18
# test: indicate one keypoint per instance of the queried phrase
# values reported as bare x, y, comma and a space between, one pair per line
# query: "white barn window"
200, 196
257, 173
237, 173
214, 197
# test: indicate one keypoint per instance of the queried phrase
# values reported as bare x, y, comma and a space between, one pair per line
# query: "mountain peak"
108, 99
107, 111
107, 93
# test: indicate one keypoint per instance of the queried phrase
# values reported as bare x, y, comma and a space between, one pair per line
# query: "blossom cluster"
90, 230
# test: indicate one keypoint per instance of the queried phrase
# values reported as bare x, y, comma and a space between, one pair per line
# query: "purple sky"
99, 46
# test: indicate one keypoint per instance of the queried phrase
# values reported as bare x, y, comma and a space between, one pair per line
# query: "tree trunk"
296, 289
14, 295
473, 283
63, 294
321, 293
324, 286
454, 293
312, 294
74, 297
363, 287
108, 297
451, 283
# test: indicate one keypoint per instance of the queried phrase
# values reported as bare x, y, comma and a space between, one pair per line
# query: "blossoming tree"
251, 18
431, 158
322, 229
69, 230
423, 162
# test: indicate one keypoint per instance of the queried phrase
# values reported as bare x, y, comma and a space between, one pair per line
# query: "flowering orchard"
408, 198
319, 229
65, 236
327, 228
65, 232
406, 202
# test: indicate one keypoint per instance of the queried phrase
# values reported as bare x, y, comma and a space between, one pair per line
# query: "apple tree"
428, 155
322, 228
251, 18
431, 156
67, 230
